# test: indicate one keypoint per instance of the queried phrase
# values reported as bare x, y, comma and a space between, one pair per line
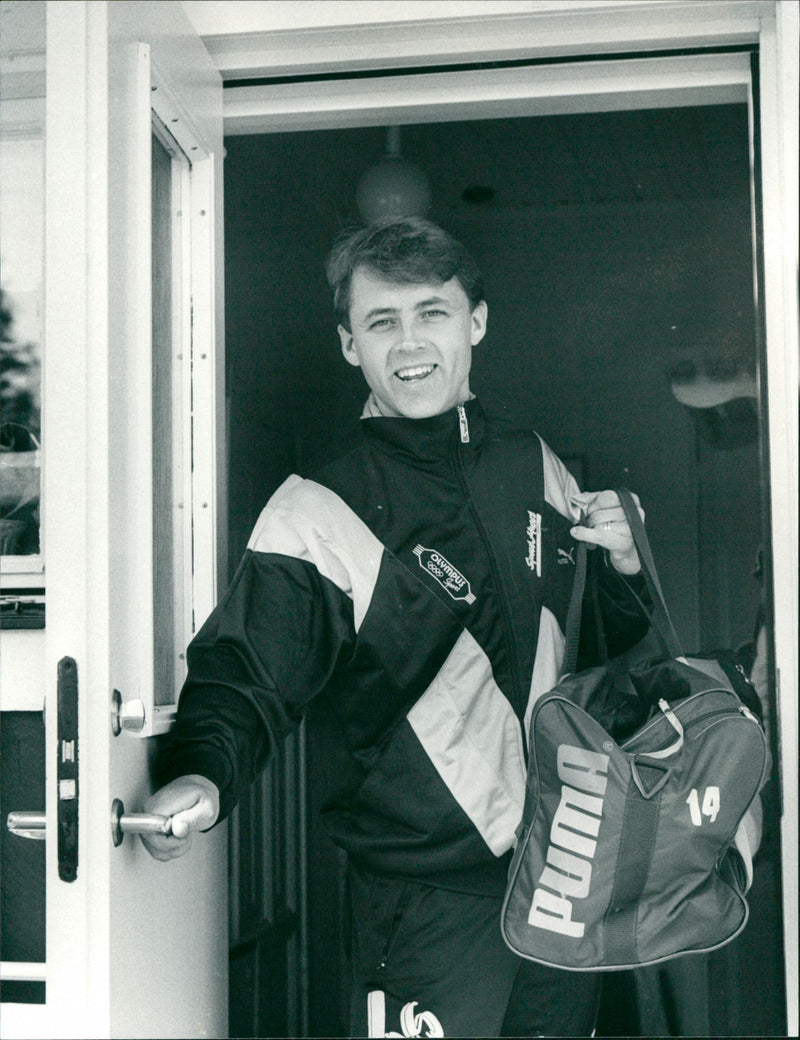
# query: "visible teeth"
415, 373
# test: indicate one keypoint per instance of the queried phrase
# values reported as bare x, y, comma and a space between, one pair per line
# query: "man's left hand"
605, 525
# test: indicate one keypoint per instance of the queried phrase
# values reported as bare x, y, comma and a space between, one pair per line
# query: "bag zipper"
740, 709
748, 714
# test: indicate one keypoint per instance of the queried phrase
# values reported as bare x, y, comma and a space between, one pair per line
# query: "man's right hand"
192, 803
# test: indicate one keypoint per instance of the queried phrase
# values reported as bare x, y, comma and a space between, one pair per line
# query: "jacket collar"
428, 439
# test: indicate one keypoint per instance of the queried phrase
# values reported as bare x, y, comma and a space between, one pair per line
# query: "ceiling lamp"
394, 187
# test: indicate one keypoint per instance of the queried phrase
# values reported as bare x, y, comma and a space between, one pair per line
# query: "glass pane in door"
22, 87
171, 408
22, 759
163, 429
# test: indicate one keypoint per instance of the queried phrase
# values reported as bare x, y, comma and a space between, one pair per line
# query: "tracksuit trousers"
430, 962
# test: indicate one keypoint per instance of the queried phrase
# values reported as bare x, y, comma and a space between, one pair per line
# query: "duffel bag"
637, 850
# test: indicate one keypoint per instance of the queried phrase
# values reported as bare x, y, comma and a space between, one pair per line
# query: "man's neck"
372, 408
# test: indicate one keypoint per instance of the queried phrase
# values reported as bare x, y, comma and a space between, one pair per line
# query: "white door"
129, 505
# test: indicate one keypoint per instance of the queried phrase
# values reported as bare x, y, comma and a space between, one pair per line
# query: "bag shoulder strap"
659, 616
573, 627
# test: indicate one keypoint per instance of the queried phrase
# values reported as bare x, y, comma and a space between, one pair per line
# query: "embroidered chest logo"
534, 533
567, 557
452, 581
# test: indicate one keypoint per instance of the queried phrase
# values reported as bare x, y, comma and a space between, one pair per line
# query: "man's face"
412, 342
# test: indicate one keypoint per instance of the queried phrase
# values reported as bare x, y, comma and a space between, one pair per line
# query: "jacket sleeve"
269, 647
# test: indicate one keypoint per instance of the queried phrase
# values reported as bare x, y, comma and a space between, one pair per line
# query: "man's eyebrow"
379, 310
430, 302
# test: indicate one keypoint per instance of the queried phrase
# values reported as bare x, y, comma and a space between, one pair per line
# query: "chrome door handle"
123, 823
28, 825
34, 824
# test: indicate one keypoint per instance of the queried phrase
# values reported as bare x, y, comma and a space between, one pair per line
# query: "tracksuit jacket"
411, 598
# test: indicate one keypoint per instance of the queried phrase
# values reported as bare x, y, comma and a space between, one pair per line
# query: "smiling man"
414, 345
412, 597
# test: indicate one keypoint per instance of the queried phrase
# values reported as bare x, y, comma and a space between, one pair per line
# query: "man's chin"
420, 410
415, 405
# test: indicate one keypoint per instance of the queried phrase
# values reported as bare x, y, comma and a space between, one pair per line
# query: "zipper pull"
745, 676
463, 424
744, 710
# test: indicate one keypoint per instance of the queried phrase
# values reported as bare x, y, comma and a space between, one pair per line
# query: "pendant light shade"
393, 188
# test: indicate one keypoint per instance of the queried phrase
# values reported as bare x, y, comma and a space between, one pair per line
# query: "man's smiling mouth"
414, 372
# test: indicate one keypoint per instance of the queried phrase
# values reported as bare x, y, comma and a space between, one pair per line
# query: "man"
413, 595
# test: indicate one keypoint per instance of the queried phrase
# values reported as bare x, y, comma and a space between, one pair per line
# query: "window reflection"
22, 43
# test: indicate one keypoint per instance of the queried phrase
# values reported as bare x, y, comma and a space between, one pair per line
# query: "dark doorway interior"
617, 250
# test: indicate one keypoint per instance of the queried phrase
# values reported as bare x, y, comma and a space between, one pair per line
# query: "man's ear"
348, 346
480, 316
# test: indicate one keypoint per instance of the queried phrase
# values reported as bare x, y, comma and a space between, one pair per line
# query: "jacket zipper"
463, 424
394, 927
504, 611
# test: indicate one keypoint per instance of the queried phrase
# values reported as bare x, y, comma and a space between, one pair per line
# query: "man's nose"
411, 334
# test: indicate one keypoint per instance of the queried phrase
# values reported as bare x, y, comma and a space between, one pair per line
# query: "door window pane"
164, 577
22, 86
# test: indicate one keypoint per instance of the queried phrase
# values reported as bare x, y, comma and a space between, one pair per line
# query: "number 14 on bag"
708, 808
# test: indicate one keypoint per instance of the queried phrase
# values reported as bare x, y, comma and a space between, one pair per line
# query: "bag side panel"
562, 873
687, 904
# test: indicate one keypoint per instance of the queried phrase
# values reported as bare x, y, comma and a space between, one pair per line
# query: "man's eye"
381, 323
435, 314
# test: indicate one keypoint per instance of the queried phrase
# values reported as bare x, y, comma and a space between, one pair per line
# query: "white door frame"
101, 981
585, 28
552, 89
414, 34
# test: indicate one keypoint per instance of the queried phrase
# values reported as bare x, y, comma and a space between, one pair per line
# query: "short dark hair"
411, 250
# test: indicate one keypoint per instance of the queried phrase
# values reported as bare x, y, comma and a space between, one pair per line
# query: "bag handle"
659, 616
573, 626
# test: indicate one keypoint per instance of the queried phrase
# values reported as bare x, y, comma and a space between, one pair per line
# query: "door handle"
123, 823
34, 824
28, 825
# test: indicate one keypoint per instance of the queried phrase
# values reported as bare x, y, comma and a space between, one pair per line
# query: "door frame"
96, 310
302, 79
